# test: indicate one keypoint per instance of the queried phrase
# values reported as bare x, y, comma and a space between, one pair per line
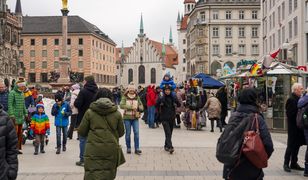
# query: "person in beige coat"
213, 108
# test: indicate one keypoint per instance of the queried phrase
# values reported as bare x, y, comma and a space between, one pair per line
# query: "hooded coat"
76, 90
17, 108
213, 108
151, 96
103, 125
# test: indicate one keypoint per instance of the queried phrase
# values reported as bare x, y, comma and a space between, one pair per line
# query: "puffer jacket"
8, 148
103, 125
4, 97
131, 106
61, 119
17, 108
213, 108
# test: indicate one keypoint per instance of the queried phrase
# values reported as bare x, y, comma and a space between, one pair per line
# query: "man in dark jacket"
4, 96
82, 103
167, 109
8, 150
223, 99
245, 169
296, 136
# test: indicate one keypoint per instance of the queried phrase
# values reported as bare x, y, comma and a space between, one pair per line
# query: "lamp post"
285, 47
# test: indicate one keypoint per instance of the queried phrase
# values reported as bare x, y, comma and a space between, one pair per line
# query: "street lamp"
285, 47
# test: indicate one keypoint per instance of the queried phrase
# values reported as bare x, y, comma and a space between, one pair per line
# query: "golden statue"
64, 4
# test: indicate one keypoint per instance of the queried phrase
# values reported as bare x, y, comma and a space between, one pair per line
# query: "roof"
184, 23
189, 1
171, 54
229, 2
18, 9
53, 25
118, 52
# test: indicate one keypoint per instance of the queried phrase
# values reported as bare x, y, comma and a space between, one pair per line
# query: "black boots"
36, 150
306, 170
296, 167
42, 149
286, 168
58, 150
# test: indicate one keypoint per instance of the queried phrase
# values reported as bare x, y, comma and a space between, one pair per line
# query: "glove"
48, 132
31, 132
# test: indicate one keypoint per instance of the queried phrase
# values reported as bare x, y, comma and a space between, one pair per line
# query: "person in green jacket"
17, 109
103, 125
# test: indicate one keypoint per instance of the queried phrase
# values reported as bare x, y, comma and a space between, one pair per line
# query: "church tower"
189, 6
141, 29
18, 12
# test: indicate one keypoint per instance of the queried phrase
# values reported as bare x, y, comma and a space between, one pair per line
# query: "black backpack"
231, 140
302, 117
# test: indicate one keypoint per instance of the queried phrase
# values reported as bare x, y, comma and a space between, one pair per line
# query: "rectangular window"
279, 14
44, 64
184, 51
290, 30
80, 64
68, 41
274, 41
283, 34
202, 16
295, 26
32, 53
80, 53
21, 42
241, 32
274, 20
279, 37
290, 6
283, 11
184, 41
32, 78
56, 64
228, 15
254, 32
254, 14
44, 53
201, 32
228, 32
241, 49
295, 4
184, 60
44, 77
215, 49
228, 49
21, 53
32, 65
80, 41
255, 49
56, 42
56, 53
241, 15
215, 32
44, 42
32, 41
215, 14
306, 9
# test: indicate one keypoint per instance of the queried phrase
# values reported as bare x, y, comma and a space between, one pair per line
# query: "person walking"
179, 110
103, 125
61, 110
76, 90
213, 108
245, 169
151, 101
296, 136
40, 127
8, 150
17, 109
4, 97
166, 105
132, 106
82, 103
223, 99
29, 101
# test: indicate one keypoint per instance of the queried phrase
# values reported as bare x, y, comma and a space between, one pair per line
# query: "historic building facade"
146, 61
221, 32
10, 28
91, 51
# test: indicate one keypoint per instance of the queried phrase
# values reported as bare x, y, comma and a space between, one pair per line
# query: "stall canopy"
208, 81
281, 68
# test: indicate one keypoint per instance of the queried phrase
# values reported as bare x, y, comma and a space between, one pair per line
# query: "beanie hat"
21, 84
248, 96
89, 78
58, 97
40, 105
131, 87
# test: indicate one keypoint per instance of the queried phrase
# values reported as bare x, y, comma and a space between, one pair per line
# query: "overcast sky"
119, 19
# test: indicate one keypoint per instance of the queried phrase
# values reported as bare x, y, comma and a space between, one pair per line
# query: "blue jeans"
135, 124
151, 116
82, 146
64, 132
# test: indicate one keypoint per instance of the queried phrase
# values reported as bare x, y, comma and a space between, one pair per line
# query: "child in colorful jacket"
61, 110
39, 127
167, 80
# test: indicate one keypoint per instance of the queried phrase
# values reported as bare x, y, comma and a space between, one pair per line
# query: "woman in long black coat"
223, 99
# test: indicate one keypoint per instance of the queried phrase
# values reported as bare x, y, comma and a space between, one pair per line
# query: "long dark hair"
103, 93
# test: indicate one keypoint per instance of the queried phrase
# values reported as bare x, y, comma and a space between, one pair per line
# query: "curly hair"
103, 93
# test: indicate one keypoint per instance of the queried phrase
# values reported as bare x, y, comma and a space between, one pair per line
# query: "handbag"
253, 147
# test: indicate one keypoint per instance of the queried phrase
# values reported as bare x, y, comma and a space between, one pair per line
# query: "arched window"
214, 67
141, 72
153, 76
230, 64
130, 76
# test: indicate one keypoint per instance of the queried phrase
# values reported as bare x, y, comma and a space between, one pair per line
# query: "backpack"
231, 140
302, 117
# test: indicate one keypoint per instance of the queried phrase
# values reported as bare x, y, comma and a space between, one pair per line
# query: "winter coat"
223, 99
169, 83
84, 99
131, 106
246, 170
8, 148
17, 108
73, 98
28, 98
180, 109
34, 93
61, 114
213, 108
166, 106
40, 123
4, 98
151, 96
103, 125
295, 134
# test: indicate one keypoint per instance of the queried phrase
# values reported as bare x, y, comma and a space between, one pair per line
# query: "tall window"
279, 14
274, 20
242, 49
153, 76
44, 64
32, 53
44, 42
80, 64
254, 32
202, 16
32, 78
290, 6
283, 10
228, 49
241, 32
130, 76
228, 14
32, 65
254, 14
80, 41
69, 42
21, 53
215, 32
56, 64
295, 26
184, 41
80, 53
295, 4
228, 32
44, 53
215, 49
215, 14
279, 37
141, 71
255, 49
56, 42
44, 77
56, 53
32, 42
290, 30
283, 34
241, 15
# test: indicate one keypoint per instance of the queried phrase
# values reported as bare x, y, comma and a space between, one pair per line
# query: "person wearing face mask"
296, 136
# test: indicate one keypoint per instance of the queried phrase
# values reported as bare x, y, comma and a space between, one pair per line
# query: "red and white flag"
268, 59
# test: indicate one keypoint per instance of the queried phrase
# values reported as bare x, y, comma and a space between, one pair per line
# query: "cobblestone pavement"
194, 158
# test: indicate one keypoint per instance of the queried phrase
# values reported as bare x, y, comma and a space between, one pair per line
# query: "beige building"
91, 52
222, 32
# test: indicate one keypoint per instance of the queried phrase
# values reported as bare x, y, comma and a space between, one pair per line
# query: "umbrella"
208, 81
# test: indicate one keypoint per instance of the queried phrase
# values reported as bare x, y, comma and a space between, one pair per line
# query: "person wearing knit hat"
89, 78
131, 87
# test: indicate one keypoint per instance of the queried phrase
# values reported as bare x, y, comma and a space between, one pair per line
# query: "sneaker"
296, 167
286, 168
138, 152
128, 151
58, 150
80, 163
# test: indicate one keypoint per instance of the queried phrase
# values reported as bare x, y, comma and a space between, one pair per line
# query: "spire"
163, 50
122, 50
141, 26
18, 9
170, 36
179, 17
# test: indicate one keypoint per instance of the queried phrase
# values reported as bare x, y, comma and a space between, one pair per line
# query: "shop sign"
302, 68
